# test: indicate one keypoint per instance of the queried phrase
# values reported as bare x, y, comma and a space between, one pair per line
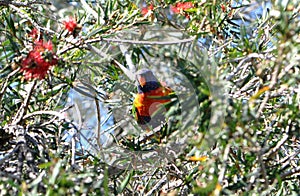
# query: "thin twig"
25, 15
126, 71
23, 109
4, 174
224, 165
98, 112
240, 65
128, 59
22, 4
271, 86
286, 158
61, 117
5, 85
291, 172
138, 42
7, 156
263, 169
156, 187
73, 150
53, 113
277, 147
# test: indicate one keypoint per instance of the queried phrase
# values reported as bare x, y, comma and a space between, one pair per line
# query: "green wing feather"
135, 113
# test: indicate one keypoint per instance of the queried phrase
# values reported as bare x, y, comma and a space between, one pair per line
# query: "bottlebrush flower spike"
179, 7
147, 9
34, 33
38, 61
223, 7
70, 24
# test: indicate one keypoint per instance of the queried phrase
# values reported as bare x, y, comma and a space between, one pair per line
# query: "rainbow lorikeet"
150, 102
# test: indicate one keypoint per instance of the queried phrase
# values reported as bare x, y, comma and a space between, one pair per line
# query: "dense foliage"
234, 128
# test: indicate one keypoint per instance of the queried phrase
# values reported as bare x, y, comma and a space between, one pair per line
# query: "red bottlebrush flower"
40, 45
70, 24
34, 33
223, 7
39, 60
181, 6
145, 10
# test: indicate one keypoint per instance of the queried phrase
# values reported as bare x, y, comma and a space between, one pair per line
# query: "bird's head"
146, 81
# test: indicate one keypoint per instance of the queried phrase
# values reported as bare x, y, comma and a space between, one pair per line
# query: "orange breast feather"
149, 102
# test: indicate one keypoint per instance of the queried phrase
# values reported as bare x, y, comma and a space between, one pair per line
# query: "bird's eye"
142, 81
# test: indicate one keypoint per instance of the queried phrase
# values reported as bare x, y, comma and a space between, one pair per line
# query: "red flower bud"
70, 24
145, 10
180, 7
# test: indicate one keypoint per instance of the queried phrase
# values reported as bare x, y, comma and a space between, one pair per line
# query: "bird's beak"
142, 81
